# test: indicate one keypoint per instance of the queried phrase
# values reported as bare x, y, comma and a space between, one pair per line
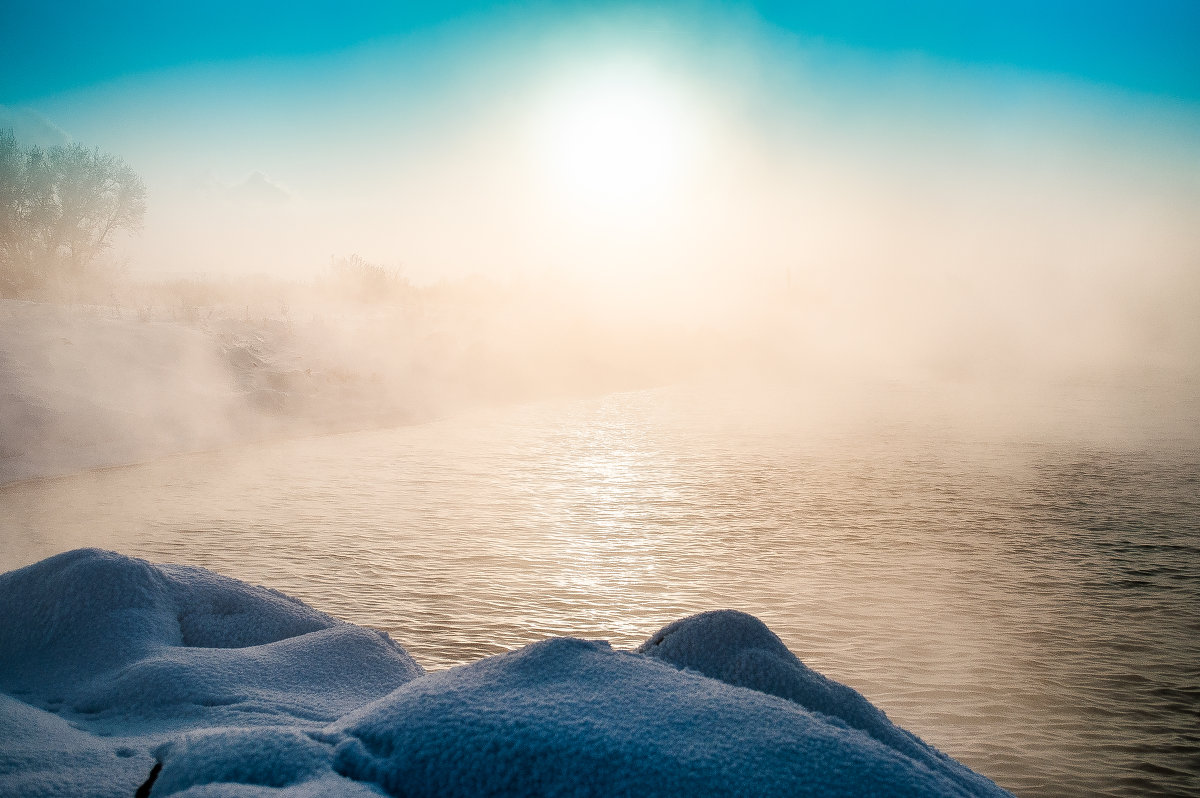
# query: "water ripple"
1031, 608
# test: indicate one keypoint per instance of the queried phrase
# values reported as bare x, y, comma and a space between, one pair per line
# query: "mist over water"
575, 324
1025, 602
635, 189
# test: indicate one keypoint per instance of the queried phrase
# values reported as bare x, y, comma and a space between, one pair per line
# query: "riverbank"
93, 386
120, 676
89, 387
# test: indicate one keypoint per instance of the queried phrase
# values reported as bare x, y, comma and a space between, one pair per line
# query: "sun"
616, 141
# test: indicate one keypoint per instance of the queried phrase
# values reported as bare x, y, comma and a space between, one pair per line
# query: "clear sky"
1148, 46
714, 140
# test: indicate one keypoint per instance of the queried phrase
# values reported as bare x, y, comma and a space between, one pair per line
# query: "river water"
1024, 597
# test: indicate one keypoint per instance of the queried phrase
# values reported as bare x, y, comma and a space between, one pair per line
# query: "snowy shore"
117, 675
90, 386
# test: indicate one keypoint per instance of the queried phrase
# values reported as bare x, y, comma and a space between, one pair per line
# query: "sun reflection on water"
956, 582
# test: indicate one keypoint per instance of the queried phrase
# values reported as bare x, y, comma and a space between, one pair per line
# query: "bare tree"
59, 209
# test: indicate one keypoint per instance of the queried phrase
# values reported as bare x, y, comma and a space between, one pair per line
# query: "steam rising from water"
839, 218
886, 216
953, 270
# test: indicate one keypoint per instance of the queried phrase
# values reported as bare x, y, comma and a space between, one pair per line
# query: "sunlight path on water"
1030, 605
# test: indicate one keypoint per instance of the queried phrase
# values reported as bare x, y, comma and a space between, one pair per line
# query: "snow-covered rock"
129, 645
739, 649
113, 669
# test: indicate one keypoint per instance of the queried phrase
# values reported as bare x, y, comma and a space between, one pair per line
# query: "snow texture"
112, 669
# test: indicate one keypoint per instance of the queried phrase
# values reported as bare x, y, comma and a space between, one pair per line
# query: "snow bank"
739, 649
128, 644
86, 387
111, 666
81, 389
42, 754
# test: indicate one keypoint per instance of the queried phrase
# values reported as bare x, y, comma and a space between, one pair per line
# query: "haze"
476, 324
689, 189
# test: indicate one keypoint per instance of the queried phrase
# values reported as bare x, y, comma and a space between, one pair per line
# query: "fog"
327, 245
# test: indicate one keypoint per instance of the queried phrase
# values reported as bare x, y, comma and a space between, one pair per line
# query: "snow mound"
122, 677
739, 649
116, 638
44, 756
573, 717
272, 757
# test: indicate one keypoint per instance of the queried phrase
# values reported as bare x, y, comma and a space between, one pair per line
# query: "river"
1025, 598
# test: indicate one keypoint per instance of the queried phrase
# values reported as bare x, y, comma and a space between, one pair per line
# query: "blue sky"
463, 136
1150, 46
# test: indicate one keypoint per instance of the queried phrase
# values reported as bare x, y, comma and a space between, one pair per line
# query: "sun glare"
615, 142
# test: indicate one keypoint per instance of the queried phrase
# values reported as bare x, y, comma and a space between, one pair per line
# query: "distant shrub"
356, 279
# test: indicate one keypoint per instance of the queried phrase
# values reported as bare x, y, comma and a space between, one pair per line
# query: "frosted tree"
59, 209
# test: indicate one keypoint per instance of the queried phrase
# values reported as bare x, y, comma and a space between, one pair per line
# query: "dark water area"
1024, 596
